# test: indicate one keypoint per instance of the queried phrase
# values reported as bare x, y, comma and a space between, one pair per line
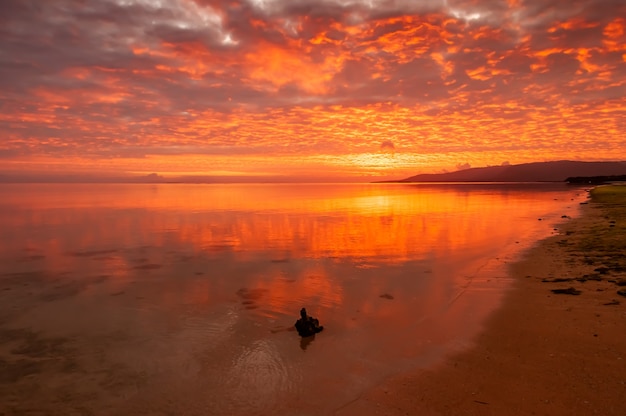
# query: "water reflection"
215, 276
257, 375
305, 341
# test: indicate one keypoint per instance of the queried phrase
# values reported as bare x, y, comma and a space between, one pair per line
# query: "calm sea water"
182, 298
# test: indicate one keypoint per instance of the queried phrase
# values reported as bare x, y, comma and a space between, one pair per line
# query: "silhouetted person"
307, 325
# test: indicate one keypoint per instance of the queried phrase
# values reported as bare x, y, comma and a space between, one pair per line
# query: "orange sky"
307, 89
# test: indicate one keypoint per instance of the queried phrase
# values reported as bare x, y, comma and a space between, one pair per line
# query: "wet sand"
543, 353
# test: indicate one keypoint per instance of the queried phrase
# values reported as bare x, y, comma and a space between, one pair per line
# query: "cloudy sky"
373, 89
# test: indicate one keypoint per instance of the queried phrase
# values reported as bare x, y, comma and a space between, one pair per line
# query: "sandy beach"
543, 353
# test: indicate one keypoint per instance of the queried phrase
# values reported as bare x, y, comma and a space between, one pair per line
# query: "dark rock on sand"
622, 292
586, 277
558, 280
568, 291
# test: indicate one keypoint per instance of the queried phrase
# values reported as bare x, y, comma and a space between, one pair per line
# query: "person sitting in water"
307, 325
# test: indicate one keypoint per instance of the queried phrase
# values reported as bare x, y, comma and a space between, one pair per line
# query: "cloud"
387, 147
152, 177
451, 80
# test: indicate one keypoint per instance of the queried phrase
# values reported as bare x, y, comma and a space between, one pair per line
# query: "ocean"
182, 298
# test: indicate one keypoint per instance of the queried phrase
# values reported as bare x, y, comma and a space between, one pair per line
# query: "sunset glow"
308, 89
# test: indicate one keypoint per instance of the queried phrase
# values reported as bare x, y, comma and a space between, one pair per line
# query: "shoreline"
541, 353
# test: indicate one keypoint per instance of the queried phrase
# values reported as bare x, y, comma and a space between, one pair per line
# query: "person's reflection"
305, 341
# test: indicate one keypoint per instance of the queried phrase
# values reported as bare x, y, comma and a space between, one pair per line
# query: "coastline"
542, 353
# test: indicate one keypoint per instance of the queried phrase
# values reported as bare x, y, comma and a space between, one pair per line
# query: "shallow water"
182, 298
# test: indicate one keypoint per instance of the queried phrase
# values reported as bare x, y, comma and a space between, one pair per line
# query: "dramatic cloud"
292, 87
387, 147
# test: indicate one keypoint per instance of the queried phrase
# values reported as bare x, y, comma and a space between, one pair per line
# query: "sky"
306, 89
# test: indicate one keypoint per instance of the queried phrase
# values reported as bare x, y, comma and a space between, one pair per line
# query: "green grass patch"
602, 241
609, 194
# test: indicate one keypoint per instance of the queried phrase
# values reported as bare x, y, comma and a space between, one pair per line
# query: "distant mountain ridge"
557, 171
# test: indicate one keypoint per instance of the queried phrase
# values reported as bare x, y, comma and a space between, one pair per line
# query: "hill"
557, 171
